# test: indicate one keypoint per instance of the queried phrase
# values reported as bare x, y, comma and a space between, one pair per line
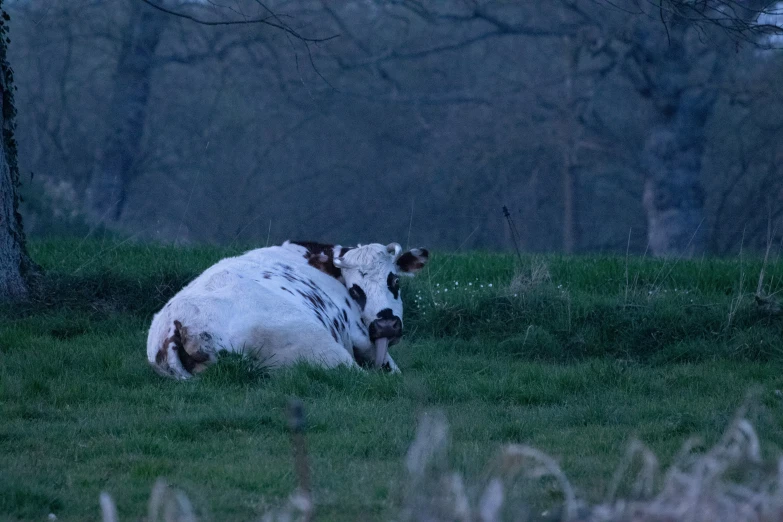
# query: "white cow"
301, 301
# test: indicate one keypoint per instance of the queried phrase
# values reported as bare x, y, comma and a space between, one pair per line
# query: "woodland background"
604, 127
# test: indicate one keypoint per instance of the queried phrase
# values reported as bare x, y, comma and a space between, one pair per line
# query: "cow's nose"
389, 327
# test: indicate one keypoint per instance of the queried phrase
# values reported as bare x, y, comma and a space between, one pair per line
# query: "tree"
679, 71
128, 113
15, 264
453, 109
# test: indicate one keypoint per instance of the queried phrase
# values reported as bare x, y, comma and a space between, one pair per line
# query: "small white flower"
470, 284
445, 290
490, 285
456, 283
482, 286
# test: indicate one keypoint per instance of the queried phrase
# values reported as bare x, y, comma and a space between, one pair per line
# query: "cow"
300, 301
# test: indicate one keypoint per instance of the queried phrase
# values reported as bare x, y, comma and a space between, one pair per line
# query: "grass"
567, 354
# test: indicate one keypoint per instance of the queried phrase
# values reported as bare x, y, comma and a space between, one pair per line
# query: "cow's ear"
412, 261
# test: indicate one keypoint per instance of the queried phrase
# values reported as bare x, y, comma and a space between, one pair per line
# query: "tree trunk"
572, 129
569, 203
128, 114
15, 264
673, 195
673, 191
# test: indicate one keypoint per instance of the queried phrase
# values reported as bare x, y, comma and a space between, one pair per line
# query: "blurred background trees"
654, 127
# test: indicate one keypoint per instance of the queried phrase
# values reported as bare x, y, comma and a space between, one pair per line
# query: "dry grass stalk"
299, 507
728, 483
766, 303
108, 509
174, 504
525, 281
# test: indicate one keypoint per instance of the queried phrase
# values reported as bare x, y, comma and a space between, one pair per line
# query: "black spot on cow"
386, 313
393, 282
345, 316
347, 302
337, 325
286, 290
358, 295
334, 333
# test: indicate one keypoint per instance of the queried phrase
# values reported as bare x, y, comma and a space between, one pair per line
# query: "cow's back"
268, 302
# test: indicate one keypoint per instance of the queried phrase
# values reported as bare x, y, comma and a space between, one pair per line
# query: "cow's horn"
394, 248
338, 261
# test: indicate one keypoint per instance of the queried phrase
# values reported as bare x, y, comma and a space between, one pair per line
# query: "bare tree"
127, 112
680, 71
451, 109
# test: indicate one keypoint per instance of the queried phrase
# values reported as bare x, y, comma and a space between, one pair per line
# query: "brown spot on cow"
321, 256
187, 348
414, 260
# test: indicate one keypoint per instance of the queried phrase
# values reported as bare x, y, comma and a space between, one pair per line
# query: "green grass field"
573, 355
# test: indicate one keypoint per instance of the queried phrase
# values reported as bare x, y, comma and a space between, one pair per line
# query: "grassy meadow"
573, 355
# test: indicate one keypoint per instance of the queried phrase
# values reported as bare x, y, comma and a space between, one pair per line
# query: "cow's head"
372, 276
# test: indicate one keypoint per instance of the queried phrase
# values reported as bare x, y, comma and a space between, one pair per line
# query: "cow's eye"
393, 282
358, 295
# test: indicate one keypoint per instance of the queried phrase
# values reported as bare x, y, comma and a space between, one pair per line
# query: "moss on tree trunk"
16, 267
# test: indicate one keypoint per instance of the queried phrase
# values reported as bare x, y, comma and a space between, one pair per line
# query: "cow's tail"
169, 357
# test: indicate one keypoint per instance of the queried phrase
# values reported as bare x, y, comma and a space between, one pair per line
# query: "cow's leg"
391, 365
285, 340
366, 359
323, 353
182, 353
329, 355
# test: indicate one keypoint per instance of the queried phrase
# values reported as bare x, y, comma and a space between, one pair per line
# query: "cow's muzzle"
384, 331
390, 328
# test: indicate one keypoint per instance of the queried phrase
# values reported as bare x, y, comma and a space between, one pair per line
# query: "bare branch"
264, 21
